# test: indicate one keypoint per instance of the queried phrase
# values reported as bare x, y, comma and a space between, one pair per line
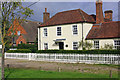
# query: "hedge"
67, 51
32, 47
19, 51
81, 51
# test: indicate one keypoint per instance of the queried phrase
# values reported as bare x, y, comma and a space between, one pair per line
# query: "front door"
61, 45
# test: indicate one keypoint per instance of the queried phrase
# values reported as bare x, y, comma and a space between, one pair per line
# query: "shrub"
86, 45
19, 51
81, 51
32, 47
108, 46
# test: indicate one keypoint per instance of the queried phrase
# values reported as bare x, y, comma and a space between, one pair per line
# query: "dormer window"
18, 32
38, 23
26, 21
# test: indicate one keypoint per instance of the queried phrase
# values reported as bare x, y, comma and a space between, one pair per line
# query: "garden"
44, 69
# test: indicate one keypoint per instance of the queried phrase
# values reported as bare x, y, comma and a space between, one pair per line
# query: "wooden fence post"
110, 74
59, 69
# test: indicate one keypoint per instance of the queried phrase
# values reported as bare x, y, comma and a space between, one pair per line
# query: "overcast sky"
55, 7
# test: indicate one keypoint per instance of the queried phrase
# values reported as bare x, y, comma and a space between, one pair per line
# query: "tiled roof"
106, 30
66, 17
31, 29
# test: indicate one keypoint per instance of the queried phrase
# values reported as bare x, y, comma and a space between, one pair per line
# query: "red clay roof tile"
71, 16
105, 30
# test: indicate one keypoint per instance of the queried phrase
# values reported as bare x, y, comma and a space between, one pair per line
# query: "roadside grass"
109, 65
0, 54
33, 73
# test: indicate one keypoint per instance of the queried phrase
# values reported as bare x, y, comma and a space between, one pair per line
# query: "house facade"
24, 32
66, 29
62, 36
65, 33
104, 31
108, 33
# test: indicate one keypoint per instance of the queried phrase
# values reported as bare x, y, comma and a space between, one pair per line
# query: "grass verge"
32, 73
0, 54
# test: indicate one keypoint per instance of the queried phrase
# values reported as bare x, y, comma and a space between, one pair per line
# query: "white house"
104, 31
66, 29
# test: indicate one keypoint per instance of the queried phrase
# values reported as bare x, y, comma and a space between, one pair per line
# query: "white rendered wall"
67, 34
102, 42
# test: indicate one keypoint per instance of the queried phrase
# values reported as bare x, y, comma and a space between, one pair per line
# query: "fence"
70, 58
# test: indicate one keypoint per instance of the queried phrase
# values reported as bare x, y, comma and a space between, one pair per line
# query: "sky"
55, 7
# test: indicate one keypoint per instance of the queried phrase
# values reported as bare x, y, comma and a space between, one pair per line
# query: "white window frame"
18, 33
45, 46
75, 45
45, 32
59, 32
96, 44
117, 44
74, 30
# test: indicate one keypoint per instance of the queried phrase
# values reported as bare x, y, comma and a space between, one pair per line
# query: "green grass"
108, 65
0, 54
32, 73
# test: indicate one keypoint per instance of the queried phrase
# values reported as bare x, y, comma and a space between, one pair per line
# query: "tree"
11, 11
85, 44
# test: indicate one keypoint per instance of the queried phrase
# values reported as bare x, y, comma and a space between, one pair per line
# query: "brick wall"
20, 38
15, 28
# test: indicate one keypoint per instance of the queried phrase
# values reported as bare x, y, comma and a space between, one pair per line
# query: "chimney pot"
108, 15
45, 9
99, 0
99, 12
46, 16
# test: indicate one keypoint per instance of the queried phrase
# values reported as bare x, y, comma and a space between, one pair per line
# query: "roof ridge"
68, 11
82, 15
111, 22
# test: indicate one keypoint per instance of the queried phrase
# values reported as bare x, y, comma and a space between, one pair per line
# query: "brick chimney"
99, 12
46, 16
108, 15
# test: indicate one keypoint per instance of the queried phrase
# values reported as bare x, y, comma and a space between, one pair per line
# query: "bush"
32, 47
108, 46
81, 51
19, 51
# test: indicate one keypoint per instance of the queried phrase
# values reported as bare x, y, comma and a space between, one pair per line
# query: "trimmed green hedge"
81, 51
19, 51
67, 51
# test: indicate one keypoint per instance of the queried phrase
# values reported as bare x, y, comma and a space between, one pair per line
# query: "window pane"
96, 44
75, 45
75, 29
117, 44
18, 32
45, 46
45, 31
58, 31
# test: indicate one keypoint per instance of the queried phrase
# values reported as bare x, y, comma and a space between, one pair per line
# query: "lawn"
0, 54
33, 73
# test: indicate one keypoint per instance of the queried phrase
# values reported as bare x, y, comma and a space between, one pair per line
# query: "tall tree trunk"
2, 61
